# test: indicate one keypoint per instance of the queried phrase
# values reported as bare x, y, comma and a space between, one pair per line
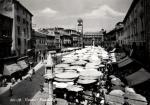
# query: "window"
18, 18
19, 42
25, 42
24, 21
142, 4
27, 23
40, 41
24, 31
17, 7
18, 29
27, 33
23, 11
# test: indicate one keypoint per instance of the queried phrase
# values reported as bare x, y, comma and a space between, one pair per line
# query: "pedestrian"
126, 101
13, 80
41, 87
4, 82
65, 96
77, 101
54, 100
30, 77
33, 71
20, 76
102, 102
42, 57
11, 91
94, 97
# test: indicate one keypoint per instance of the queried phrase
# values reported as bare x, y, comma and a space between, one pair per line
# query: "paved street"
24, 90
28, 92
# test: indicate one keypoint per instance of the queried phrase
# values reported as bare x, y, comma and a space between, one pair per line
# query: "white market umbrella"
116, 81
58, 70
82, 81
91, 67
101, 65
62, 65
135, 99
88, 77
64, 79
79, 63
129, 90
91, 73
60, 85
68, 61
72, 71
67, 75
117, 93
75, 88
77, 68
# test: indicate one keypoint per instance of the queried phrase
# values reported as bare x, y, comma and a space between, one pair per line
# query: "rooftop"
16, 1
130, 9
93, 33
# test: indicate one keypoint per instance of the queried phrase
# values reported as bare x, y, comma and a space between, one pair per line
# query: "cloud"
103, 11
44, 14
48, 11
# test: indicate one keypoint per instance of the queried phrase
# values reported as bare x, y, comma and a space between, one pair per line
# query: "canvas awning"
138, 77
10, 69
23, 64
124, 62
114, 99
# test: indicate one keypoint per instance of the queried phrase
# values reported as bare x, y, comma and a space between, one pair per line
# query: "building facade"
119, 31
135, 34
75, 37
64, 36
50, 42
22, 25
57, 41
59, 38
39, 44
93, 38
22, 29
5, 36
110, 39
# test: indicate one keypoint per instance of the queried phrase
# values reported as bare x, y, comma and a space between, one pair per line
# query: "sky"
96, 14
